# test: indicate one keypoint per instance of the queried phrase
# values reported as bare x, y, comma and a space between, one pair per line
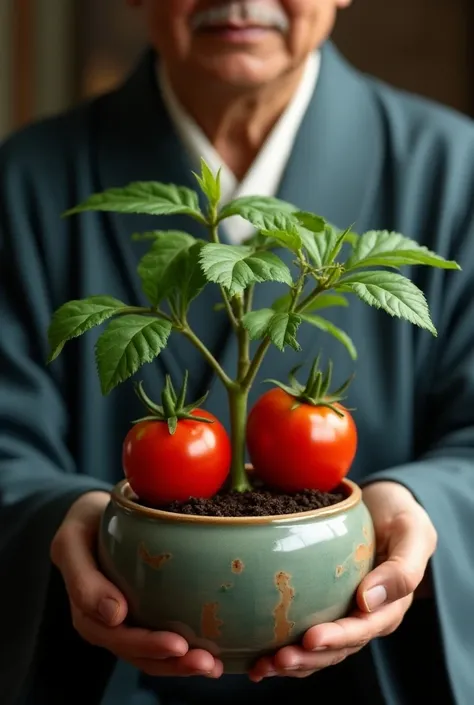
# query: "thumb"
411, 544
88, 589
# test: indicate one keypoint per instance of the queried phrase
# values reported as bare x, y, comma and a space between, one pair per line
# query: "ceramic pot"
238, 587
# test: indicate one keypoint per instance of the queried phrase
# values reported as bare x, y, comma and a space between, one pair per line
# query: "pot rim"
122, 495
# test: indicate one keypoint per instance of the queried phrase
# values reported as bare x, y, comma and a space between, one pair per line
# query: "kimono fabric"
366, 154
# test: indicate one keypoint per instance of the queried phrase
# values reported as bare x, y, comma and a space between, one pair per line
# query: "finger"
358, 629
195, 663
130, 642
87, 587
411, 545
297, 662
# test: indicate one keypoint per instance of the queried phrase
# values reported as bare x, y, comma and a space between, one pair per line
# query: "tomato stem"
238, 400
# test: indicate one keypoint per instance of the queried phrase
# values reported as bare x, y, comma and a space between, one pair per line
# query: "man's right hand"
99, 609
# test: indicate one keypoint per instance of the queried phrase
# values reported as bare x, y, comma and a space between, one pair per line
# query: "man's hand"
99, 609
406, 540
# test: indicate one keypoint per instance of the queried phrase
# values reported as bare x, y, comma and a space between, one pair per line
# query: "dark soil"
255, 503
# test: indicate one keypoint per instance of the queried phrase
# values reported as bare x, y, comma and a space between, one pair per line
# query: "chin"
244, 71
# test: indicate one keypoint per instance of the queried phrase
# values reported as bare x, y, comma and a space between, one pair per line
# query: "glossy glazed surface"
238, 588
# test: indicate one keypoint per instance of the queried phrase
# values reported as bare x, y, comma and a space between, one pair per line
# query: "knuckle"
79, 594
340, 656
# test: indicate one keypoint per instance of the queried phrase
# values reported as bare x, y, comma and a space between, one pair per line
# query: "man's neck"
236, 123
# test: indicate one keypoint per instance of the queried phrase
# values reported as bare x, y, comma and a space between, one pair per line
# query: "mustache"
242, 13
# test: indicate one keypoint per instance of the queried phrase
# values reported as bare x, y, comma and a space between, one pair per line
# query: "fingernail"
292, 668
319, 648
108, 609
375, 597
269, 674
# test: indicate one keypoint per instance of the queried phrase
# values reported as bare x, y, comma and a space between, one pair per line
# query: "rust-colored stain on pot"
210, 622
364, 551
282, 625
237, 566
340, 569
155, 562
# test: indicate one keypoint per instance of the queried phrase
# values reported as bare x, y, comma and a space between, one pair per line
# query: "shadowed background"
54, 53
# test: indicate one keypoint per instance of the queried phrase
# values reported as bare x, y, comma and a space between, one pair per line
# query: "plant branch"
214, 233
310, 299
207, 355
158, 313
243, 339
256, 362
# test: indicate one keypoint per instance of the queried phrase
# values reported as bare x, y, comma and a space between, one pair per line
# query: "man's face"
242, 43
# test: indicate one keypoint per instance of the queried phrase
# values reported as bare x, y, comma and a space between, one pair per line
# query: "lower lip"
235, 35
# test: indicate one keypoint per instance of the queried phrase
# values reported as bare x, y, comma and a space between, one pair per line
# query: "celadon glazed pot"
238, 587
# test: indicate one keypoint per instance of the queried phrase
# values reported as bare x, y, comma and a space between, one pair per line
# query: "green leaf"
159, 267
324, 300
336, 332
127, 344
393, 293
210, 184
263, 213
378, 248
281, 328
321, 246
235, 268
76, 317
191, 276
310, 221
149, 197
289, 238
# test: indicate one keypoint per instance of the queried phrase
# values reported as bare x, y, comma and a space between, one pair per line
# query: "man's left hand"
406, 540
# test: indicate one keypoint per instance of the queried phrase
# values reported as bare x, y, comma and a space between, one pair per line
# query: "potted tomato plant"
239, 558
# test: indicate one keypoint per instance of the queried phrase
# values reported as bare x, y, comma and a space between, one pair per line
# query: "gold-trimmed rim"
122, 496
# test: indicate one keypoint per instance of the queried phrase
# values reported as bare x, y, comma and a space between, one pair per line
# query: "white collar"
264, 176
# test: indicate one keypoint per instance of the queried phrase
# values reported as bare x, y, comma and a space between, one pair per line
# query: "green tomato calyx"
173, 407
316, 390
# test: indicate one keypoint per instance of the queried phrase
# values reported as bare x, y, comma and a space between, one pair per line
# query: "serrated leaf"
191, 276
393, 293
310, 221
159, 267
127, 344
235, 268
264, 213
289, 238
333, 330
256, 322
324, 300
210, 184
148, 197
378, 248
76, 317
321, 246
281, 328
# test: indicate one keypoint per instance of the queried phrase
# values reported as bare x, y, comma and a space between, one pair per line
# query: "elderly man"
254, 87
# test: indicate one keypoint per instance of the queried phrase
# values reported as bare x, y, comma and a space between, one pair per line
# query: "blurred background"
54, 53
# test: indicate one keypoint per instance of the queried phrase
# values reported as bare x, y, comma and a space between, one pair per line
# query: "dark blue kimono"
365, 154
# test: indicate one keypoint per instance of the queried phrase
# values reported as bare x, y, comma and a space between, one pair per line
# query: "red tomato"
193, 462
308, 447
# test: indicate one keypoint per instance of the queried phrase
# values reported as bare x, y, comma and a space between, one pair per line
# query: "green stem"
243, 340
249, 298
310, 299
238, 400
206, 353
126, 310
214, 233
255, 364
